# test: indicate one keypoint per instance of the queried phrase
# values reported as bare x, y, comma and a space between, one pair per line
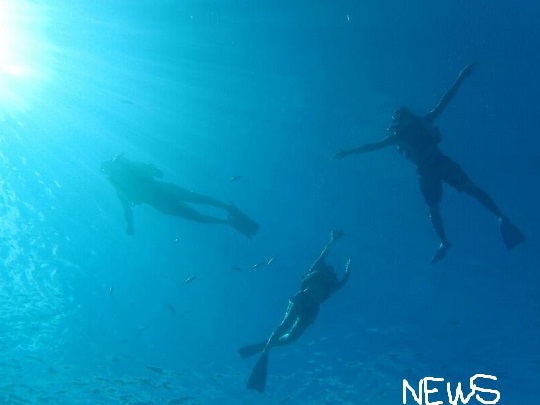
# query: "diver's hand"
347, 271
340, 155
335, 235
467, 70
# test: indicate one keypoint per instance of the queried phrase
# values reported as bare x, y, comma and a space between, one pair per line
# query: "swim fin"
257, 379
511, 235
440, 253
241, 222
250, 350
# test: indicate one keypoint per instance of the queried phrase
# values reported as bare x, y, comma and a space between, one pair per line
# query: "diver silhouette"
138, 183
317, 285
418, 140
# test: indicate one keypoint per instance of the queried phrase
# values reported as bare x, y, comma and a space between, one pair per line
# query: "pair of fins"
257, 378
510, 235
241, 222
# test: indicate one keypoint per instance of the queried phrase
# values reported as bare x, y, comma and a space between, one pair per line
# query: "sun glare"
21, 51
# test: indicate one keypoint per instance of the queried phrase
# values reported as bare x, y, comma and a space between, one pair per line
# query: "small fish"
172, 309
257, 265
190, 279
234, 178
271, 260
175, 241
157, 370
236, 268
111, 290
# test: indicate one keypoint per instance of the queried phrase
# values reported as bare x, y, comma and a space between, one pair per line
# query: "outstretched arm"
334, 236
449, 95
389, 140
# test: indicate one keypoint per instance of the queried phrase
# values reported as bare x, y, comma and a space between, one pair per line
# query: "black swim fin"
511, 235
257, 379
241, 222
250, 350
440, 253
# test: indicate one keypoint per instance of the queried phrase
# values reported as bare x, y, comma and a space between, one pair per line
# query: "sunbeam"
22, 52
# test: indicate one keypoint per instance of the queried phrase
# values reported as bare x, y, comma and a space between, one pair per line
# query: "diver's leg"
183, 211
173, 200
296, 331
188, 196
484, 198
252, 349
305, 316
510, 234
454, 175
431, 188
437, 222
286, 324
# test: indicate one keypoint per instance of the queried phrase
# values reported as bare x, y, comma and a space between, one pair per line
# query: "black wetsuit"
418, 141
316, 287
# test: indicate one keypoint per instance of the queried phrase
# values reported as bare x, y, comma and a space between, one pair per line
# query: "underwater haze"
247, 102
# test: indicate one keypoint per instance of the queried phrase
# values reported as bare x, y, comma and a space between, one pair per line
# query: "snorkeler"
137, 183
418, 140
319, 283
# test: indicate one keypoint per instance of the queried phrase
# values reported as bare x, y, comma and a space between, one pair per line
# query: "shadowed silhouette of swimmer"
139, 183
417, 138
317, 285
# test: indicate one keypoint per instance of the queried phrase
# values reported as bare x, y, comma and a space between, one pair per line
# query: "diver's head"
401, 114
328, 268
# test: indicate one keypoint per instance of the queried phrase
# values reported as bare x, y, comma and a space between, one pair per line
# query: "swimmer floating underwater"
137, 183
418, 140
319, 283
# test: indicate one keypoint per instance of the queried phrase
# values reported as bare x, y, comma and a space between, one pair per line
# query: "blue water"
207, 90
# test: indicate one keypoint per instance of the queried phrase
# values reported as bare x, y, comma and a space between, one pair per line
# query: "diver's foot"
241, 223
440, 253
336, 234
510, 234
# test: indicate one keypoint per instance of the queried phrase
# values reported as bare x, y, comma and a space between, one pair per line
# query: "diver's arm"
449, 95
370, 147
128, 213
334, 236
